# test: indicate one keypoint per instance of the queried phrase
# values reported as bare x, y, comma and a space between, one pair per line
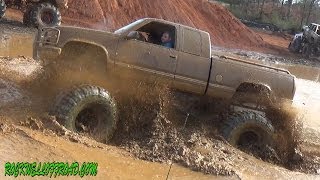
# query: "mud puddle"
36, 146
205, 152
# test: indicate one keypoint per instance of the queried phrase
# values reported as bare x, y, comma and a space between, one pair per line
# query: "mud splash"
151, 132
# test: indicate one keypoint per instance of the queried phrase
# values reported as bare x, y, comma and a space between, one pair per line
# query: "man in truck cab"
166, 39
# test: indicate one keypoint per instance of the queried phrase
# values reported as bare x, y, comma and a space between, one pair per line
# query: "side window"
191, 42
158, 33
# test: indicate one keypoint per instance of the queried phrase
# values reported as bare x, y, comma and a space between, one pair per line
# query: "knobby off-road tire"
295, 46
248, 128
3, 8
45, 15
307, 50
27, 16
87, 109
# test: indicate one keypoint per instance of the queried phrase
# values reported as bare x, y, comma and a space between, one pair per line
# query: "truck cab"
186, 63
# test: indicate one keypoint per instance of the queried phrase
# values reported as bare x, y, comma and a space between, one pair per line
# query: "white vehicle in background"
307, 42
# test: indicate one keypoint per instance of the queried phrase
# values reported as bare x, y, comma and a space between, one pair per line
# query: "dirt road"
28, 134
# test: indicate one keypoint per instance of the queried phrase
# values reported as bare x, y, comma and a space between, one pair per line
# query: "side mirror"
133, 35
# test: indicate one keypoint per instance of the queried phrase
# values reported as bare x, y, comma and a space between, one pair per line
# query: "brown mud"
164, 128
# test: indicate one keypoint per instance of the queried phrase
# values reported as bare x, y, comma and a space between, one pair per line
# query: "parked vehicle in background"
36, 12
307, 42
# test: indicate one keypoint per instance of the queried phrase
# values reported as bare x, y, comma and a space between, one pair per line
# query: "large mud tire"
248, 127
45, 15
295, 46
87, 109
306, 50
3, 8
27, 16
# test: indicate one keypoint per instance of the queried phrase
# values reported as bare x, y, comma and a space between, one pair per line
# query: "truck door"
131, 51
162, 61
148, 55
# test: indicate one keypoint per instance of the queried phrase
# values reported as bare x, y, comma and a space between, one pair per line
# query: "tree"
311, 5
289, 8
261, 9
303, 12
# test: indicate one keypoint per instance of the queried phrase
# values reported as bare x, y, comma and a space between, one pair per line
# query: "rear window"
191, 42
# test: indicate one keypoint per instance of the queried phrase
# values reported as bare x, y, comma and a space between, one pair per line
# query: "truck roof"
315, 24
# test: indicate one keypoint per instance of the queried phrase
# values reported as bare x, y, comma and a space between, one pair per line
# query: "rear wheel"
3, 8
247, 130
89, 110
306, 50
45, 15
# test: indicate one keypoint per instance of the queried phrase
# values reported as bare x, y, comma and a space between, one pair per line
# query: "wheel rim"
47, 17
93, 120
248, 138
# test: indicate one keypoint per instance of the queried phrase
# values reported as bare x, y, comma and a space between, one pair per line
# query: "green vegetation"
285, 14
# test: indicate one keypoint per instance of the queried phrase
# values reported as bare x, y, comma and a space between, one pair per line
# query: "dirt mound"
225, 29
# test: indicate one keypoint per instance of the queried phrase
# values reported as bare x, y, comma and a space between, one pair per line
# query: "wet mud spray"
161, 125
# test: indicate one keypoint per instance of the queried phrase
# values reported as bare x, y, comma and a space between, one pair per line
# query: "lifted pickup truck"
187, 65
307, 42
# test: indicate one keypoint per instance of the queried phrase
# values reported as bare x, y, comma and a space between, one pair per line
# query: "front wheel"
45, 15
89, 110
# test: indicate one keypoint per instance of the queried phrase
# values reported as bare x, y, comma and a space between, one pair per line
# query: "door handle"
173, 56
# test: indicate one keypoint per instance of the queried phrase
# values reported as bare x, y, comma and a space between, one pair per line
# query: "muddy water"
113, 163
30, 145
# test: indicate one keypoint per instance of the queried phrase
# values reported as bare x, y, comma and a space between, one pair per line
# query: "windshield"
129, 26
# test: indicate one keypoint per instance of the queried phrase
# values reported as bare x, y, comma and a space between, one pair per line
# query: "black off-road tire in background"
87, 109
45, 15
248, 128
27, 15
306, 50
295, 46
3, 8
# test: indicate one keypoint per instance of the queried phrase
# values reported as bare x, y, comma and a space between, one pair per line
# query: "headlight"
50, 36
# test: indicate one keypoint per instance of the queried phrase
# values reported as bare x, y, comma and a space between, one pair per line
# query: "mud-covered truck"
140, 51
307, 42
36, 12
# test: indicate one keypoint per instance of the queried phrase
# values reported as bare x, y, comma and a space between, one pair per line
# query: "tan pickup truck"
179, 55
